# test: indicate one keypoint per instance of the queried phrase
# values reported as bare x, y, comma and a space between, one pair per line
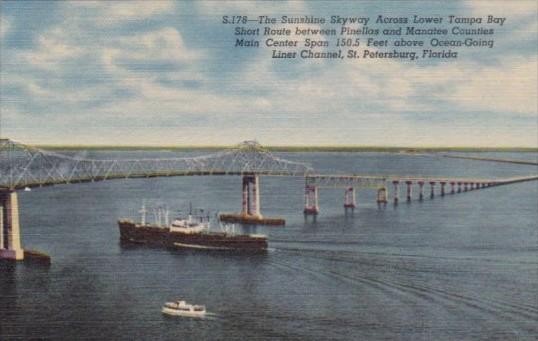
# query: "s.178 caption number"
234, 19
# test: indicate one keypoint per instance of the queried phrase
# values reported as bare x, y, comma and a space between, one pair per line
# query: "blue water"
458, 267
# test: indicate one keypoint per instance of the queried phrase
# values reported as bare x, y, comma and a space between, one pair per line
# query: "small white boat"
182, 308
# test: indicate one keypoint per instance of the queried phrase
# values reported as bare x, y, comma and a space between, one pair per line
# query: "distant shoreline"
345, 149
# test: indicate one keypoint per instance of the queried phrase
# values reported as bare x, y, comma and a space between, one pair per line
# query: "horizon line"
293, 147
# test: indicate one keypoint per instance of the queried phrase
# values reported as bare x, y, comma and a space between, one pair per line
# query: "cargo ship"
192, 232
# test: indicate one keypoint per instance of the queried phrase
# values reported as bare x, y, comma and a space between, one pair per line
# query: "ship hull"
158, 236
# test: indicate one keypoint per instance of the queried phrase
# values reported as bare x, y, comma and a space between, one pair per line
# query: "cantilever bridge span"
23, 166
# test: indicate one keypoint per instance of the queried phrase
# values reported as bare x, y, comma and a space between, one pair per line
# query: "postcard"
261, 170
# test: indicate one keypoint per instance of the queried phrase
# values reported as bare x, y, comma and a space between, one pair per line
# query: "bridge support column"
311, 205
396, 193
452, 191
432, 189
256, 196
443, 188
382, 196
251, 196
244, 207
10, 240
465, 188
349, 198
420, 190
409, 189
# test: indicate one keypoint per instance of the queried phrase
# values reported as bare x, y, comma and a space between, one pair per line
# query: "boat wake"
408, 288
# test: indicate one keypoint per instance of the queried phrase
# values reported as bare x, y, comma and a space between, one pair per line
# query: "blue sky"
165, 72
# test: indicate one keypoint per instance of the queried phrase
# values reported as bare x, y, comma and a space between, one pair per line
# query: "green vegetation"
385, 149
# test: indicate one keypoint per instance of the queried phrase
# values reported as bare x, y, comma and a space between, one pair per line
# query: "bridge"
24, 167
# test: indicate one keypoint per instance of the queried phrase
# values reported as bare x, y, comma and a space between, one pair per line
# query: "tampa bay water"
460, 267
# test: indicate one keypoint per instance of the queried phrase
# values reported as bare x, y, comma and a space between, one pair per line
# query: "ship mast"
143, 211
166, 216
159, 215
190, 212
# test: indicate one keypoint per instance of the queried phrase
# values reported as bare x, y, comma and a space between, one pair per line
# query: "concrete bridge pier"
246, 197
396, 194
250, 208
443, 188
432, 189
255, 209
251, 196
311, 200
459, 187
10, 236
421, 190
350, 201
409, 189
465, 186
452, 184
382, 196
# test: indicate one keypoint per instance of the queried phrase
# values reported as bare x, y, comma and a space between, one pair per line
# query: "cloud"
52, 50
509, 9
508, 88
160, 46
76, 62
5, 26
110, 13
233, 7
505, 88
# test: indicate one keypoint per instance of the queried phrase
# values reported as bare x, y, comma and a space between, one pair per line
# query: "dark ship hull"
160, 236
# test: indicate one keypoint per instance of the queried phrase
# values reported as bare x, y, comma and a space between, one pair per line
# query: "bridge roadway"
24, 167
320, 180
52, 182
479, 158
381, 183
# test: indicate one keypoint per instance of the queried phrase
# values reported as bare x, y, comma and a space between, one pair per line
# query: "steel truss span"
25, 166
